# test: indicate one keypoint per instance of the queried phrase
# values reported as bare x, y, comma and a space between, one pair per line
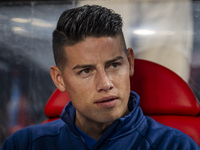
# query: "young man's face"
96, 78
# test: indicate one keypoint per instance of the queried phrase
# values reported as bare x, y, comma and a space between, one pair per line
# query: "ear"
130, 55
57, 78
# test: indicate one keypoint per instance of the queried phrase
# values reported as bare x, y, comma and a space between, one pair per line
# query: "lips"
107, 102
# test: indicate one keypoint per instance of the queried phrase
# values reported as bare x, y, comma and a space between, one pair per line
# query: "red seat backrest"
164, 96
56, 103
162, 91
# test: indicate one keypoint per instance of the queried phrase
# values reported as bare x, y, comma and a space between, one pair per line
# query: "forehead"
94, 49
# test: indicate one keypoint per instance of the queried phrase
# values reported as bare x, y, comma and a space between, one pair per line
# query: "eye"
114, 65
85, 71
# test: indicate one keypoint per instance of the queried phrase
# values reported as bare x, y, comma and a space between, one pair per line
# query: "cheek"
74, 84
122, 83
79, 91
122, 77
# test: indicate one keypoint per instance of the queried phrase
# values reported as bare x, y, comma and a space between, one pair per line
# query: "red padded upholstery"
162, 91
164, 96
56, 103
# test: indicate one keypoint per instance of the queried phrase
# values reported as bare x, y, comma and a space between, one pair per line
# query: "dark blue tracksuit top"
132, 132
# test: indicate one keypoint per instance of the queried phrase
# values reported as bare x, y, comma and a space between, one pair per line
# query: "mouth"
107, 102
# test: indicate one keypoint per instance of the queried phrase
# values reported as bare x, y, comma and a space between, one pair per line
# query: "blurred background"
166, 32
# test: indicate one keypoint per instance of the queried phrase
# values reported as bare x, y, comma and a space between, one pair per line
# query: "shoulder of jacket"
33, 132
162, 136
24, 138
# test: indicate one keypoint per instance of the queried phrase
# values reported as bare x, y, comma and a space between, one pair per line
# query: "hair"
74, 25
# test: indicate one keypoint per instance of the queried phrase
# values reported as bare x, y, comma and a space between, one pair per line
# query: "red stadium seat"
164, 96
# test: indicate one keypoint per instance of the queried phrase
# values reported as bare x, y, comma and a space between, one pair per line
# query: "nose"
104, 83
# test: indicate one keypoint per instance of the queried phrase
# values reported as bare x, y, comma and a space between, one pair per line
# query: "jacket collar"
118, 127
69, 112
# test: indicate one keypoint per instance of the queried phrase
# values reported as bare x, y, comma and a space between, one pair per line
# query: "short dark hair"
74, 25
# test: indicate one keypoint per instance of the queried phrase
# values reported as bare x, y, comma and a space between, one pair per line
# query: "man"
93, 65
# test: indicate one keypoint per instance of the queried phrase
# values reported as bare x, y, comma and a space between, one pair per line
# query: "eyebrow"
113, 60
92, 66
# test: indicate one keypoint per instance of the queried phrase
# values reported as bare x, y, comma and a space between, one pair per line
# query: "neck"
92, 128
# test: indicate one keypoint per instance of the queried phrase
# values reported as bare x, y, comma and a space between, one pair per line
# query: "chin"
109, 119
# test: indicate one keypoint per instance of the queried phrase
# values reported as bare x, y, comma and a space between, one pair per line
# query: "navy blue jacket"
134, 131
